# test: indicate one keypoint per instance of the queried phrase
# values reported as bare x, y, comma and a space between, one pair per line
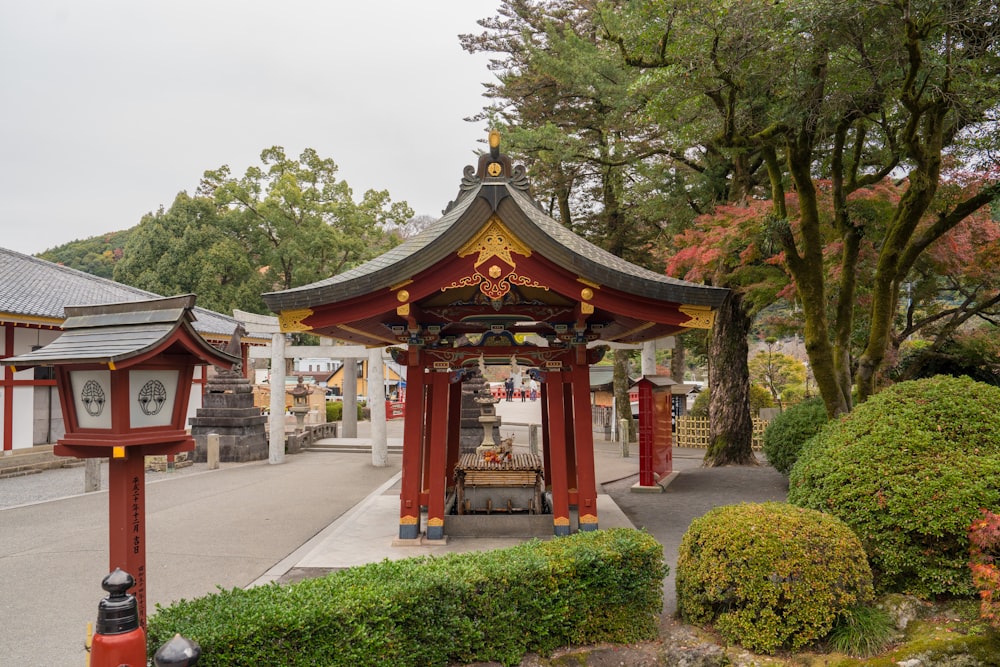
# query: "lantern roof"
123, 334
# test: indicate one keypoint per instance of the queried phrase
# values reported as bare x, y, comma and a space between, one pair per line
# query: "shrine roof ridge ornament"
494, 169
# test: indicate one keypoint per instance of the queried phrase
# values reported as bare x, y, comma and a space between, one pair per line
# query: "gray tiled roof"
557, 243
114, 333
417, 253
33, 287
543, 234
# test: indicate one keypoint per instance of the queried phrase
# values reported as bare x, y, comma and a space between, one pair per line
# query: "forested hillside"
96, 255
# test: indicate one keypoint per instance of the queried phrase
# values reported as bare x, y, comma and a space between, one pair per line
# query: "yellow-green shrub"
908, 470
770, 575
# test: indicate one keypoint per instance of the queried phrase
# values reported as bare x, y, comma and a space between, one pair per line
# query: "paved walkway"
247, 524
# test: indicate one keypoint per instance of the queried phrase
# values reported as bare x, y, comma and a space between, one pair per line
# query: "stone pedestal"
473, 432
228, 410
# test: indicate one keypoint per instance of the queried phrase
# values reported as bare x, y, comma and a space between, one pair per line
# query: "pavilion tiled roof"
545, 236
33, 288
562, 246
417, 253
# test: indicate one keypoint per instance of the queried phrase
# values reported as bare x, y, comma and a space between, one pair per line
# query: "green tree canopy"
301, 220
194, 248
849, 92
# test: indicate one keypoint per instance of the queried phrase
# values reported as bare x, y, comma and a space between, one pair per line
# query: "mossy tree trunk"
730, 426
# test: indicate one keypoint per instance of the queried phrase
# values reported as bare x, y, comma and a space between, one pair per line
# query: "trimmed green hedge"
591, 587
908, 471
770, 575
785, 435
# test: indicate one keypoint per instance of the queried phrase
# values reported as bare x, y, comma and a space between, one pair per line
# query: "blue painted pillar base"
409, 531
560, 531
586, 527
435, 532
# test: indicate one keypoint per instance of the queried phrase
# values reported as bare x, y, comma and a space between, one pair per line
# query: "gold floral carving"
560, 521
524, 281
291, 320
433, 523
495, 242
407, 520
588, 518
702, 317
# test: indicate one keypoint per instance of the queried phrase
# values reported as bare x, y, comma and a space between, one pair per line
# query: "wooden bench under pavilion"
495, 270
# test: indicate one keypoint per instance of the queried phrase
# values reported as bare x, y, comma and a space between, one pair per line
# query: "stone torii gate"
470, 289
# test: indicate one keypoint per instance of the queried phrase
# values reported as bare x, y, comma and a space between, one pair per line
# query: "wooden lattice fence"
693, 432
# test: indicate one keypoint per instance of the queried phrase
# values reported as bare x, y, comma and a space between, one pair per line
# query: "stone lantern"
300, 404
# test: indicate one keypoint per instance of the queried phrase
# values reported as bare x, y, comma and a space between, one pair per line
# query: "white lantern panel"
151, 397
92, 397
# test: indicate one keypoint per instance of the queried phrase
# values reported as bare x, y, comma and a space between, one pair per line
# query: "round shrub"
770, 575
785, 435
908, 471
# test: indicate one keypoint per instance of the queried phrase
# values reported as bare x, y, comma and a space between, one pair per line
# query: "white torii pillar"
264, 324
276, 437
648, 358
376, 403
349, 385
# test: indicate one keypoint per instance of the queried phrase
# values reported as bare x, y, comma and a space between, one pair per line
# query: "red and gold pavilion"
468, 288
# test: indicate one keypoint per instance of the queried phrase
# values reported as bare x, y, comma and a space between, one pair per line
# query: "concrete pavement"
248, 524
365, 534
222, 528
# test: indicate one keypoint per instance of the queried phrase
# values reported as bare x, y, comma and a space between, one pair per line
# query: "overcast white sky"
109, 108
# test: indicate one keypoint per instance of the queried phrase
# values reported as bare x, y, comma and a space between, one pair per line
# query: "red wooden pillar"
557, 454
425, 461
127, 521
584, 439
7, 384
437, 449
454, 432
570, 430
413, 431
546, 442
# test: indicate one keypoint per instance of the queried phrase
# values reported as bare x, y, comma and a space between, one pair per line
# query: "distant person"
524, 389
533, 388
508, 386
